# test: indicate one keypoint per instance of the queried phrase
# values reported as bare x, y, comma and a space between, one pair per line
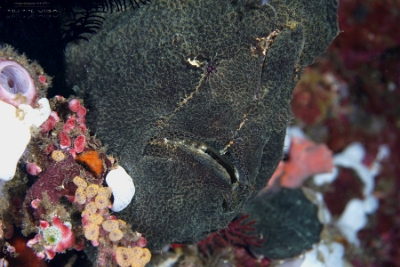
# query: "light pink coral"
48, 238
306, 158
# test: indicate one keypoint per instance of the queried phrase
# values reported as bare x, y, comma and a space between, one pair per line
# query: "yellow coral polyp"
90, 208
91, 232
116, 235
95, 218
80, 182
123, 256
110, 225
104, 191
134, 257
80, 195
141, 256
91, 190
57, 155
102, 202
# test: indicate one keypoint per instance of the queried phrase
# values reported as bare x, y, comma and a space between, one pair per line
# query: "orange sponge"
92, 160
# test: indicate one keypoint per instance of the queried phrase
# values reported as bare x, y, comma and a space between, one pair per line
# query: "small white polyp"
122, 188
15, 132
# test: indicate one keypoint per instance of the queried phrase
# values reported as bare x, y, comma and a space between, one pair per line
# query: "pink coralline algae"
56, 180
52, 239
305, 159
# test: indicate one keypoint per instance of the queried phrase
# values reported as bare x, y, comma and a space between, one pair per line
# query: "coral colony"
72, 177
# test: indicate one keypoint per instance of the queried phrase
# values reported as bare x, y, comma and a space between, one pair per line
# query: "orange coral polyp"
92, 160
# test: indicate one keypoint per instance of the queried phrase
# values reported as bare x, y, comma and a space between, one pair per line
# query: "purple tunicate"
16, 84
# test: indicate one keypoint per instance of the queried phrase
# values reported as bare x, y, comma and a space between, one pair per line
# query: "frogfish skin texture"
192, 97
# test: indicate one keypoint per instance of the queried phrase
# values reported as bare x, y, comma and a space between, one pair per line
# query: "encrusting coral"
78, 165
68, 168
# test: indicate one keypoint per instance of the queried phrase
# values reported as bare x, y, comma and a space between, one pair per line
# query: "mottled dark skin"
194, 103
287, 220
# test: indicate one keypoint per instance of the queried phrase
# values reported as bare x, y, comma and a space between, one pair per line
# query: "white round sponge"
122, 188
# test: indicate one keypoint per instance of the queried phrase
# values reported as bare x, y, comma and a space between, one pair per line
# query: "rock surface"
192, 97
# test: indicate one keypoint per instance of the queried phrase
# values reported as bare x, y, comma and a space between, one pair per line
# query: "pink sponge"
305, 159
16, 85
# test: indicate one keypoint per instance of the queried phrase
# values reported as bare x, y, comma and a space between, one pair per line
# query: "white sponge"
122, 188
15, 132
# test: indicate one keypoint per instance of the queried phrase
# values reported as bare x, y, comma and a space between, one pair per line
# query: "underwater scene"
199, 133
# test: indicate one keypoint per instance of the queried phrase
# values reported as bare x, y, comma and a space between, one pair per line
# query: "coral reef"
66, 170
75, 168
346, 117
